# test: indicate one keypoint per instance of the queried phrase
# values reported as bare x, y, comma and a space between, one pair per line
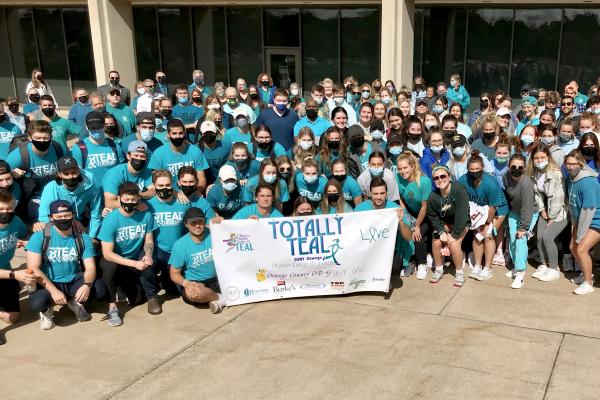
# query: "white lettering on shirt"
130, 232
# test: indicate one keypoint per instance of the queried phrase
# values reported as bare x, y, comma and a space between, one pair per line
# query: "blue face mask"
270, 178
281, 107
395, 150
182, 100
147, 134
377, 135
458, 151
438, 109
229, 186
310, 179
527, 140
97, 135
376, 171
436, 149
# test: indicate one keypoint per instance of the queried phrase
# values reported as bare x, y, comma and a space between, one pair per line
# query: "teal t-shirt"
252, 184
252, 209
234, 135
252, 168
226, 205
8, 131
351, 189
324, 168
61, 262
368, 205
204, 205
168, 221
61, 129
188, 114
488, 193
127, 233
364, 158
120, 174
165, 158
333, 210
318, 127
194, 259
9, 235
100, 159
216, 158
124, 116
278, 150
41, 168
313, 191
412, 193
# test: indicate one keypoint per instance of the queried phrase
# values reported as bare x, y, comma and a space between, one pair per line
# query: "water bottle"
30, 288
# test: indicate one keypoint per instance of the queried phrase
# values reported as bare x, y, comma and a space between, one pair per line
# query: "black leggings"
422, 245
130, 279
161, 265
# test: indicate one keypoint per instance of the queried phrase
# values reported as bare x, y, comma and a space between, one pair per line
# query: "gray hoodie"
521, 197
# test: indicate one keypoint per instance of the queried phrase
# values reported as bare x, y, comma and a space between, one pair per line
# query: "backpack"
21, 141
46, 243
84, 151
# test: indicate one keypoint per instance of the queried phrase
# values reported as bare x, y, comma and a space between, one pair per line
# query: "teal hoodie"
86, 194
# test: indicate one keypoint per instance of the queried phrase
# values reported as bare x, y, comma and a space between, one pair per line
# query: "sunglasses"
285, 169
566, 104
196, 221
520, 168
115, 94
439, 178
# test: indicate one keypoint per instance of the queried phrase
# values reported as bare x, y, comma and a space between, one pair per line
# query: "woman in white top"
39, 83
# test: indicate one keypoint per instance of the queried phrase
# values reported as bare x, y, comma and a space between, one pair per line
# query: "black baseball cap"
59, 206
94, 121
458, 140
145, 117
66, 162
192, 214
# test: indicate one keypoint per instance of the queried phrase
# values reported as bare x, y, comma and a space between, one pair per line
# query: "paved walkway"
483, 341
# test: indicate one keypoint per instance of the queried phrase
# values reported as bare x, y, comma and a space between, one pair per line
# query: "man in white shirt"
339, 100
146, 100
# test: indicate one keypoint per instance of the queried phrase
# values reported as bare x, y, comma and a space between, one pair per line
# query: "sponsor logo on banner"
337, 285
261, 275
283, 287
238, 242
232, 293
255, 292
357, 283
313, 286
378, 279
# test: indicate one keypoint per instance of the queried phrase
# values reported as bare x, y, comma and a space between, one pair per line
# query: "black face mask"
285, 175
71, 183
333, 198
166, 113
112, 130
83, 99
254, 96
129, 207
6, 217
476, 175
264, 145
48, 112
2, 117
13, 108
137, 164
209, 138
588, 151
489, 135
164, 193
265, 83
334, 145
197, 100
516, 172
34, 98
241, 163
188, 190
448, 134
340, 178
41, 145
63, 224
312, 114
176, 141
114, 82
483, 104
357, 143
414, 138
161, 79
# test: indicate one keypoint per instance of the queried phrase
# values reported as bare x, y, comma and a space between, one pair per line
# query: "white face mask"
295, 92
306, 145
213, 106
141, 91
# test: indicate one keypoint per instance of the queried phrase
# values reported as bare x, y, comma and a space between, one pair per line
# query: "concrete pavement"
483, 341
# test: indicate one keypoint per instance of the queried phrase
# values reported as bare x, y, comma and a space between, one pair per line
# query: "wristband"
11, 275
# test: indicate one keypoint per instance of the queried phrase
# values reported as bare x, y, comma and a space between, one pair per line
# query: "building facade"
490, 46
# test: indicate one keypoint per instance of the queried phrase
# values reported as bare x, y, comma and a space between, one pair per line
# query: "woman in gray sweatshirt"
522, 216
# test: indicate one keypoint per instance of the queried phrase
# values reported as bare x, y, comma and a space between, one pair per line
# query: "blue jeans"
518, 247
41, 300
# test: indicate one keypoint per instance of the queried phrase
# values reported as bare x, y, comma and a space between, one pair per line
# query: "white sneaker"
510, 274
484, 275
471, 261
429, 261
47, 320
422, 271
475, 271
518, 280
584, 288
499, 259
551, 274
541, 270
215, 307
579, 279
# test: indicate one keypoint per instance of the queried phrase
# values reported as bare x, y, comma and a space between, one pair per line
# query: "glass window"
6, 75
535, 48
23, 46
209, 31
579, 59
53, 53
319, 55
245, 43
487, 64
360, 44
79, 48
418, 42
281, 27
458, 29
438, 33
146, 41
175, 44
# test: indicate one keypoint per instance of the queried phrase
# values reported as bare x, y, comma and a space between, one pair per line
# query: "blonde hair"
412, 161
161, 173
301, 155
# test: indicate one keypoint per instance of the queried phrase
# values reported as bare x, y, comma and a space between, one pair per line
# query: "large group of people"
114, 203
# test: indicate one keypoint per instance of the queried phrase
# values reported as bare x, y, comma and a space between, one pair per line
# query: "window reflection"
79, 47
211, 49
319, 56
6, 78
176, 44
281, 27
245, 43
23, 45
146, 41
360, 52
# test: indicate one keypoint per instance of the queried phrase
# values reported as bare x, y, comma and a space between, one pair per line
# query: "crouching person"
191, 263
127, 246
64, 264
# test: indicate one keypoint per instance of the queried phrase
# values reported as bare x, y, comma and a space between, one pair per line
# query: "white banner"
319, 255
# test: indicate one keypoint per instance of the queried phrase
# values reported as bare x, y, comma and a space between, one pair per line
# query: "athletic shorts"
9, 295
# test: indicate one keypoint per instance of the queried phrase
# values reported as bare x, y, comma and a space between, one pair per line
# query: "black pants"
137, 285
9, 295
41, 299
161, 264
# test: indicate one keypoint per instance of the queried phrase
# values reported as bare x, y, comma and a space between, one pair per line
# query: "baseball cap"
377, 125
240, 111
66, 162
534, 93
227, 172
193, 213
94, 121
529, 100
112, 90
421, 100
136, 145
502, 111
59, 206
355, 131
458, 140
525, 88
145, 117
208, 126
394, 138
